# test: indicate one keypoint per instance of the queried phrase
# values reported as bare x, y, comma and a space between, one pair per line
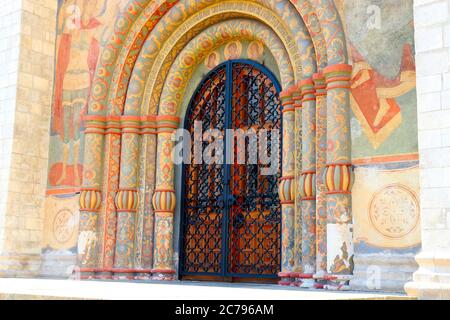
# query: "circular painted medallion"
64, 226
394, 211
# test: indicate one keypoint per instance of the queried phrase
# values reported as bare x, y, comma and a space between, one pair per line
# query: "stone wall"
432, 23
9, 54
26, 92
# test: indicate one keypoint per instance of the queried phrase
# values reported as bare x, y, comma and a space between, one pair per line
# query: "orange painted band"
89, 210
338, 192
288, 110
164, 211
386, 159
165, 190
127, 189
339, 164
338, 87
63, 191
288, 103
305, 82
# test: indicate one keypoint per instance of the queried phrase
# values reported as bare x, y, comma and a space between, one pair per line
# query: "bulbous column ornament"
287, 188
127, 198
90, 203
91, 197
339, 174
126, 202
164, 203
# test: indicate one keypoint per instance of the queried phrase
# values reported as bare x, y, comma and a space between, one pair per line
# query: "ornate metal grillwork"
231, 224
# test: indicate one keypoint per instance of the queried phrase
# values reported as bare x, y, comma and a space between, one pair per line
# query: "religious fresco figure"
233, 50
82, 30
255, 50
376, 94
212, 60
381, 47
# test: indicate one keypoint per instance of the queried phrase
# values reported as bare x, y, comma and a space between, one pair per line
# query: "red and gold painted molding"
287, 99
131, 124
307, 89
338, 76
320, 84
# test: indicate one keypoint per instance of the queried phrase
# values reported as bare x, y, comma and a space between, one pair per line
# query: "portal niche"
231, 212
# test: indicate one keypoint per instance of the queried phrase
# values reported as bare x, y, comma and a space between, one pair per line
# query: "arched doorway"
231, 212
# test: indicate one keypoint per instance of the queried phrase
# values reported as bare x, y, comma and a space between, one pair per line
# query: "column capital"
338, 76
307, 89
131, 124
320, 84
287, 98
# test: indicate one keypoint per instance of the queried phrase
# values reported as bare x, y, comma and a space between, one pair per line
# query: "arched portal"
129, 200
231, 212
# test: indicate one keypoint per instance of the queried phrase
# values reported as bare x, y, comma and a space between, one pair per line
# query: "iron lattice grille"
231, 223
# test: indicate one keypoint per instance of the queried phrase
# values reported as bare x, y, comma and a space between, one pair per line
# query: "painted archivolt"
137, 93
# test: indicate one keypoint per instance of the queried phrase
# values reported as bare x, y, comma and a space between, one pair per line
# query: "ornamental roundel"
394, 211
64, 225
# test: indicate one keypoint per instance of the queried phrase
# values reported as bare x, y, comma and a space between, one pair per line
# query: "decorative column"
308, 182
145, 216
339, 176
287, 189
321, 189
91, 196
164, 201
127, 199
108, 216
297, 97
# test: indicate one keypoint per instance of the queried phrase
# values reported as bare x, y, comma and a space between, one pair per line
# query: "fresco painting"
126, 71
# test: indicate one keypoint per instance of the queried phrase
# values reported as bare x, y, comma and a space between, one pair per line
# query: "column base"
58, 264
163, 275
383, 272
287, 279
84, 274
131, 274
304, 281
337, 282
432, 280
